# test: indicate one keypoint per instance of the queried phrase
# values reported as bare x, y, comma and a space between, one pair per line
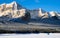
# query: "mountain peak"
13, 9
14, 2
41, 10
52, 13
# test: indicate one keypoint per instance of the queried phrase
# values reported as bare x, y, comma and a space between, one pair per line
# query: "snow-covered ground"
40, 35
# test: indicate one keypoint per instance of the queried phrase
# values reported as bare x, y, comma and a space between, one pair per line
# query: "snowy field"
40, 35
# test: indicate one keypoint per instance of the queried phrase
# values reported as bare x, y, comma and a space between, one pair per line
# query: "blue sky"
47, 5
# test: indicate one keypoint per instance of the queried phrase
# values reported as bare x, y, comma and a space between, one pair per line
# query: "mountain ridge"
16, 13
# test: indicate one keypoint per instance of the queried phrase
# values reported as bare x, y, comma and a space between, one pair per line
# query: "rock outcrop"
13, 10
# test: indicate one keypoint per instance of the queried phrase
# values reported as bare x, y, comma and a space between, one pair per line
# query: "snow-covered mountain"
13, 12
53, 13
38, 13
43, 13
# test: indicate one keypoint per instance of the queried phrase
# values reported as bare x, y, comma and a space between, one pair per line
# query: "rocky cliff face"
43, 13
14, 10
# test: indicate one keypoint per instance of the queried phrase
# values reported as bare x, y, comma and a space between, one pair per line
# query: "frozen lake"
40, 35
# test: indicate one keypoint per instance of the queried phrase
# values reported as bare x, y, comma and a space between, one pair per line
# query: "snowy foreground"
40, 35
